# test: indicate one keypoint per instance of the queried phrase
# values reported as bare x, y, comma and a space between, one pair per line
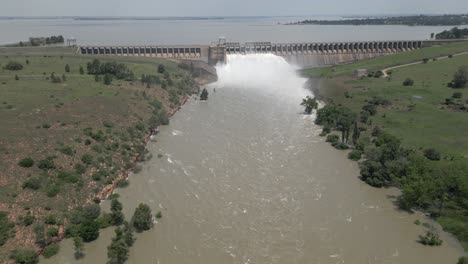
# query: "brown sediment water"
245, 178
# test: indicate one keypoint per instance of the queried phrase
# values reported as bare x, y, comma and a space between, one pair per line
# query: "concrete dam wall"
304, 55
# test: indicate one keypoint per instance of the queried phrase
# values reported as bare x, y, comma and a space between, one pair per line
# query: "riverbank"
64, 143
416, 115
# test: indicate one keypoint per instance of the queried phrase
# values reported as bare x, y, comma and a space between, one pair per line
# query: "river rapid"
245, 178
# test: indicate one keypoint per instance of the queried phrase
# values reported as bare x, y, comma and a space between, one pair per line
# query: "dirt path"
385, 74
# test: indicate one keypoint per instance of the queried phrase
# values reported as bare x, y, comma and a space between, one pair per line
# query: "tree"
356, 133
51, 250
81, 70
67, 68
16, 77
432, 154
432, 35
204, 95
309, 104
107, 79
13, 66
161, 68
116, 212
408, 82
24, 256
89, 230
78, 244
26, 162
118, 250
64, 78
460, 78
142, 218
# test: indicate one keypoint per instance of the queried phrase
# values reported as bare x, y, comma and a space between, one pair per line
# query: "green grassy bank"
62, 142
418, 118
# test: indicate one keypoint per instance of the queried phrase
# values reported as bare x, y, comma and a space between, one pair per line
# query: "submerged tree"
142, 218
204, 94
309, 104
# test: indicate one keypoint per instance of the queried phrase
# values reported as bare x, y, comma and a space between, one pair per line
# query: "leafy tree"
13, 66
81, 70
67, 68
432, 154
142, 218
89, 231
116, 212
24, 256
161, 68
51, 250
457, 95
107, 79
204, 94
26, 162
408, 82
79, 247
460, 78
356, 133
309, 104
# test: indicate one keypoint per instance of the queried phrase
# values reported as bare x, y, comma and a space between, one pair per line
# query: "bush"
430, 239
333, 138
142, 219
341, 146
24, 256
6, 228
425, 60
89, 231
26, 162
50, 219
80, 168
457, 95
355, 155
52, 190
46, 164
158, 215
28, 219
460, 78
67, 68
463, 260
68, 176
107, 79
52, 232
51, 250
67, 151
87, 159
13, 66
432, 154
408, 82
33, 183
161, 68
378, 74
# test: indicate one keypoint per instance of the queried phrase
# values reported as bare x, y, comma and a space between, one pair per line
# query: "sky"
227, 8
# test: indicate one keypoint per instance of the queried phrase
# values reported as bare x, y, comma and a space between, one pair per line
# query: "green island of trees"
419, 20
454, 33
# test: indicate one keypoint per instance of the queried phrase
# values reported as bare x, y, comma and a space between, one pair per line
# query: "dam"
304, 55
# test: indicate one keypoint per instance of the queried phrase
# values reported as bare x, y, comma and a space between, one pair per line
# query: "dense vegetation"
454, 33
390, 115
420, 20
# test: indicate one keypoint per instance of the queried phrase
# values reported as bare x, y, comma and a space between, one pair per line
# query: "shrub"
450, 56
370, 108
432, 154
91, 211
87, 159
158, 214
52, 190
457, 95
378, 74
161, 68
50, 219
80, 168
67, 68
33, 183
460, 78
51, 250
52, 232
333, 138
24, 256
425, 60
67, 151
341, 146
142, 219
26, 162
430, 239
355, 155
28, 219
107, 79
46, 164
463, 260
408, 82
13, 66
6, 228
89, 231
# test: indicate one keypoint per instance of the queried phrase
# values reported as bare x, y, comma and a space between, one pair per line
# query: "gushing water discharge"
266, 73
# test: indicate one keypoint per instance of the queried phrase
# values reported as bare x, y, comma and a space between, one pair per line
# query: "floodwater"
202, 32
245, 178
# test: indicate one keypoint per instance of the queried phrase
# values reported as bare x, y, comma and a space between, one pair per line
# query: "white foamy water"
266, 73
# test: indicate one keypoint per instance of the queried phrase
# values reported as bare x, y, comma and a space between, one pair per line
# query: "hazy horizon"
215, 8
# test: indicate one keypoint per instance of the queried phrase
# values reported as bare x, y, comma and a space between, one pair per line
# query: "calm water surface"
134, 32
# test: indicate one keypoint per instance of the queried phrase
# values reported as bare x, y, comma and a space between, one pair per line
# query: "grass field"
63, 122
387, 61
417, 115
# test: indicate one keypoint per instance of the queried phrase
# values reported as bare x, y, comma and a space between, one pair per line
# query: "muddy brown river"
245, 178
